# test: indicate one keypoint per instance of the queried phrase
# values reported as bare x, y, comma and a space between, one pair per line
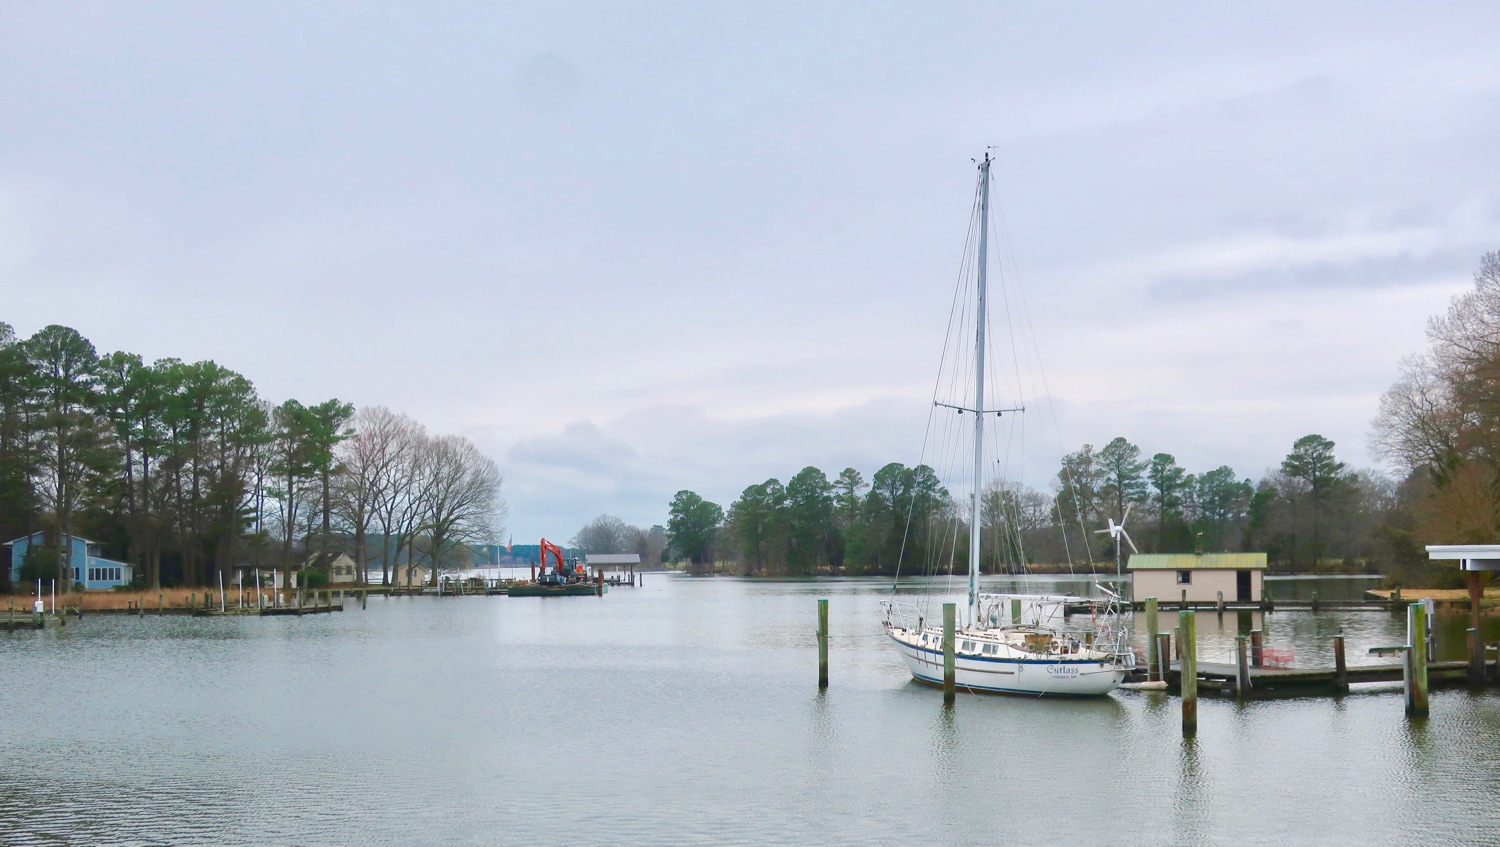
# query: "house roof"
35, 534
613, 558
1197, 561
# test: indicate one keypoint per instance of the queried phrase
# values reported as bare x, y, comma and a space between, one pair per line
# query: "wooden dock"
1273, 681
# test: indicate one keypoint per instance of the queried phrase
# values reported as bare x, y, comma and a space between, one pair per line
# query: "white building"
1198, 577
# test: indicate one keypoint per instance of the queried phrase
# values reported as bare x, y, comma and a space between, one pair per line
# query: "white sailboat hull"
1054, 676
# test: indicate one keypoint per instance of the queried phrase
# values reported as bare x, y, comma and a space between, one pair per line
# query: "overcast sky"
634, 248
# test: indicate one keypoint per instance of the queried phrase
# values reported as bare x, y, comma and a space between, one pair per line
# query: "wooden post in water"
1476, 658
1242, 668
1183, 603
949, 615
1177, 641
364, 599
1315, 600
1219, 605
1416, 660
1189, 647
1153, 657
823, 643
1257, 659
1163, 650
160, 602
1340, 668
1476, 644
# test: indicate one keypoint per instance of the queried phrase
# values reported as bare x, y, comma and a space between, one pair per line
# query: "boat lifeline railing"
904, 615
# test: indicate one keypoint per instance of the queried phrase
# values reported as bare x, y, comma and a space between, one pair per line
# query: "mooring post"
823, 643
1476, 644
192, 600
1219, 604
1242, 668
364, 599
1396, 598
1153, 658
949, 615
1177, 640
1189, 647
1416, 660
1257, 643
1476, 658
1182, 604
599, 582
1340, 668
1315, 600
160, 603
1163, 650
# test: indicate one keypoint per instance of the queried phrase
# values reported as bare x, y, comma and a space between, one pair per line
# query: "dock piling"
1219, 604
1257, 643
1153, 658
1242, 676
1476, 658
1415, 677
1163, 650
949, 615
1188, 645
1340, 667
823, 643
1315, 600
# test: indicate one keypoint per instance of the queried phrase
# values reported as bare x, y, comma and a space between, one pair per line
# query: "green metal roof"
1197, 561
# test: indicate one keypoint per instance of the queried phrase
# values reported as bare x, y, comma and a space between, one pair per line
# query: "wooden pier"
1221, 678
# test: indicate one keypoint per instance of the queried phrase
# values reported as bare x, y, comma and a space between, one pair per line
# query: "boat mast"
981, 325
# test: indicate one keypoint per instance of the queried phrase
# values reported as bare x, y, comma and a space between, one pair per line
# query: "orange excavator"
561, 574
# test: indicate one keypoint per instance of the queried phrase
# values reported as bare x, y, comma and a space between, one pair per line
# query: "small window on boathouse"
1184, 577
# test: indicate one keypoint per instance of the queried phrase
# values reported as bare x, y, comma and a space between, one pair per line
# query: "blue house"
88, 567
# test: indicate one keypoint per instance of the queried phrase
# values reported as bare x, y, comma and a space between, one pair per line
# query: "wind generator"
1117, 531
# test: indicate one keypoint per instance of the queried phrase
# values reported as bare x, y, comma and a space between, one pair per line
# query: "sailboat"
1032, 644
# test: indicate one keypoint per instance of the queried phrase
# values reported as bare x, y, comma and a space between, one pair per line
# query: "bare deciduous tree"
607, 534
460, 500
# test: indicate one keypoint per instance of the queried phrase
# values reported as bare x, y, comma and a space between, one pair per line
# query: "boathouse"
1198, 577
89, 567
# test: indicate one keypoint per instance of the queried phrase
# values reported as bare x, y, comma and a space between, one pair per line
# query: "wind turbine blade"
1128, 541
1125, 517
1110, 531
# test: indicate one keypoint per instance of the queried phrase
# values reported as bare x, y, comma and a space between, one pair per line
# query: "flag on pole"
507, 545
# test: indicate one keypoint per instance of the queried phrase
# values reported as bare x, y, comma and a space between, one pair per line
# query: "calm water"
685, 712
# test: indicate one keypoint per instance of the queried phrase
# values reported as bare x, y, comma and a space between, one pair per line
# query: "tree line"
1307, 513
609, 534
1438, 427
182, 470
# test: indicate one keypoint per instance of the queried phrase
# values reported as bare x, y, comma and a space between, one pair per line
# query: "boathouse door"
1242, 585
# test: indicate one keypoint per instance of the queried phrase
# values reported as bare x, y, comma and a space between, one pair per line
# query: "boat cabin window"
989, 648
968, 645
1184, 577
